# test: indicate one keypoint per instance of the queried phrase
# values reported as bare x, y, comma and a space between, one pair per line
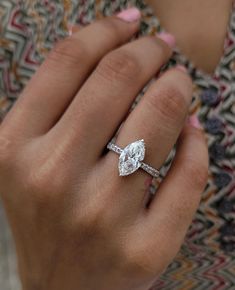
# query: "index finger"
66, 68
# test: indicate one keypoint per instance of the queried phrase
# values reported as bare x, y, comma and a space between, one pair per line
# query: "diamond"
131, 157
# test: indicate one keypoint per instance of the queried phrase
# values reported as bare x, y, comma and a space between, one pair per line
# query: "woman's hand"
77, 224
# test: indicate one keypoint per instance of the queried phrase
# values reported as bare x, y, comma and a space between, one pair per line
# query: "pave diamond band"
150, 170
114, 148
131, 158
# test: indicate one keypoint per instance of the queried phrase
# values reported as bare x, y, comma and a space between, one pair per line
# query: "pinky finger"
172, 210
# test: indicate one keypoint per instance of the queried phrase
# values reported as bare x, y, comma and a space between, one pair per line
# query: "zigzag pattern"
207, 259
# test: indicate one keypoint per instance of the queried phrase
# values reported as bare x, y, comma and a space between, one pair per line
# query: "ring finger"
158, 119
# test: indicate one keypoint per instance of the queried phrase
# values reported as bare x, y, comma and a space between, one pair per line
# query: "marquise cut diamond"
131, 157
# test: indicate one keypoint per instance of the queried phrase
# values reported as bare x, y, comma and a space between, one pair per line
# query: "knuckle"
119, 65
91, 223
92, 216
139, 261
7, 151
37, 183
46, 182
169, 102
70, 51
198, 172
180, 215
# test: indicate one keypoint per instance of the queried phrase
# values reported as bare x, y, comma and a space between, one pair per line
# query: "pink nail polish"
168, 38
181, 68
194, 121
130, 15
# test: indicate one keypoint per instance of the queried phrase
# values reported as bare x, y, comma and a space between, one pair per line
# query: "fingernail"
194, 121
168, 38
181, 68
130, 15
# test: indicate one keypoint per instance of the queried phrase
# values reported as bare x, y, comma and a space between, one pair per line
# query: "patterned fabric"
28, 30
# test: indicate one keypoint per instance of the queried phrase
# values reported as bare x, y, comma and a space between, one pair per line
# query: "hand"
76, 223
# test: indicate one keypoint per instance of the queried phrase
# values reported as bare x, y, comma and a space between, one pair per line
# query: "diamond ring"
131, 158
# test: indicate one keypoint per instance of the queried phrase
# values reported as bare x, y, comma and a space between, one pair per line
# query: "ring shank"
147, 168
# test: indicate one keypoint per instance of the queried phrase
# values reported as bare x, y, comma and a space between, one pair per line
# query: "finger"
158, 119
58, 79
97, 110
171, 211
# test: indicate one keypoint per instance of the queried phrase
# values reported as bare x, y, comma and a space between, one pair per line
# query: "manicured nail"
130, 15
168, 38
181, 68
194, 121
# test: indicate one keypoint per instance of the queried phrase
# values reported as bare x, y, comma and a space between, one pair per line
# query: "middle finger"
103, 101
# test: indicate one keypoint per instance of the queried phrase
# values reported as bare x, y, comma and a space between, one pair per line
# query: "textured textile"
28, 30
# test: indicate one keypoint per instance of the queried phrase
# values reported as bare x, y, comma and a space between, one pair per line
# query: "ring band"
131, 158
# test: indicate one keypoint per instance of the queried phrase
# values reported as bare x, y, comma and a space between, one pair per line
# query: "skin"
76, 223
199, 27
